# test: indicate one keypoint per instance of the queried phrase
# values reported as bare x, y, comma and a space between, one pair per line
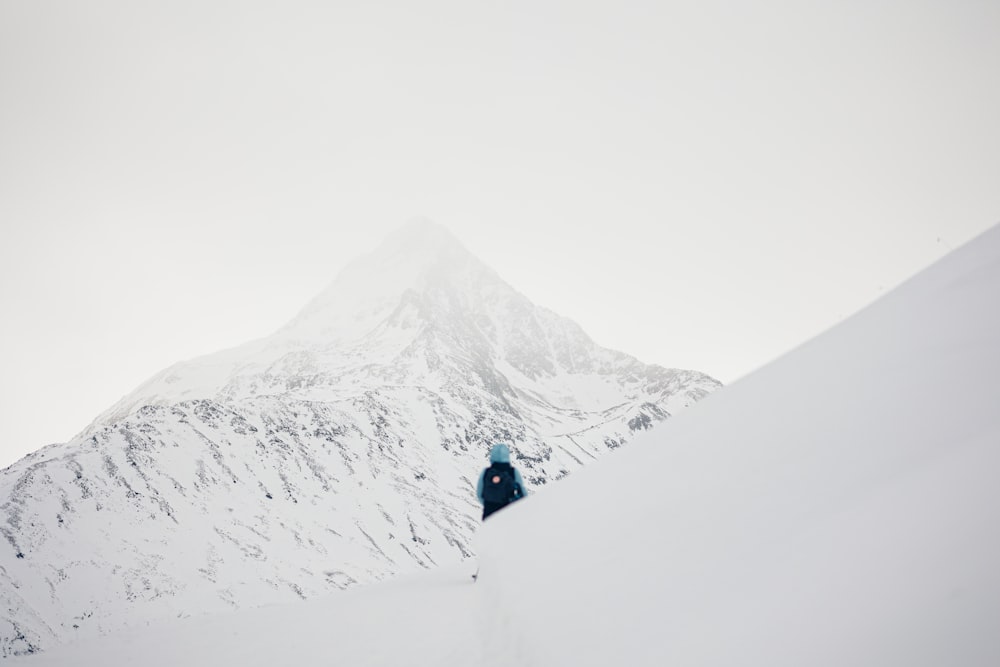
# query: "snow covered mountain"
339, 450
860, 527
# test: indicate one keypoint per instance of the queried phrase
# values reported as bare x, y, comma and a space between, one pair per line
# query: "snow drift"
860, 525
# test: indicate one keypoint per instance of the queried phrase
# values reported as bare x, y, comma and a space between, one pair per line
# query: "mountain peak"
423, 234
411, 250
415, 257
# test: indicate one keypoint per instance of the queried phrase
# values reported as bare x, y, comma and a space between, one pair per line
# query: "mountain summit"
419, 258
339, 450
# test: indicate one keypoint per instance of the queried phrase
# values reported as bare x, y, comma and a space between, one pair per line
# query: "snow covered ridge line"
341, 450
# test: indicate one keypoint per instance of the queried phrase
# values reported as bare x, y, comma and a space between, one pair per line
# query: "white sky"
698, 184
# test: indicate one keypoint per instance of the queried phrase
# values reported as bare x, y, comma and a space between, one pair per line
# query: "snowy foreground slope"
860, 526
341, 450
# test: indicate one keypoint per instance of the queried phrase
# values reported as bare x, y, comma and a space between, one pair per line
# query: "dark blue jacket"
500, 454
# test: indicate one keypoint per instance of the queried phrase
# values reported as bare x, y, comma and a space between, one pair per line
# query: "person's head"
500, 453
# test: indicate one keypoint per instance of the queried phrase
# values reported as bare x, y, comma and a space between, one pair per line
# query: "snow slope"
859, 526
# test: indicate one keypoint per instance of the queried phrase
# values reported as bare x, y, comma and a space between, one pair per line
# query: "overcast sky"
700, 184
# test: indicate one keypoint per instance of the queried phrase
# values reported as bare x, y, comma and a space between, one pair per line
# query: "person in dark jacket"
501, 483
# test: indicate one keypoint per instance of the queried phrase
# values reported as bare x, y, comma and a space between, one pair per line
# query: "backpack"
499, 485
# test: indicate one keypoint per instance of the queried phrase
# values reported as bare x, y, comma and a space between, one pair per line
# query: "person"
501, 483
